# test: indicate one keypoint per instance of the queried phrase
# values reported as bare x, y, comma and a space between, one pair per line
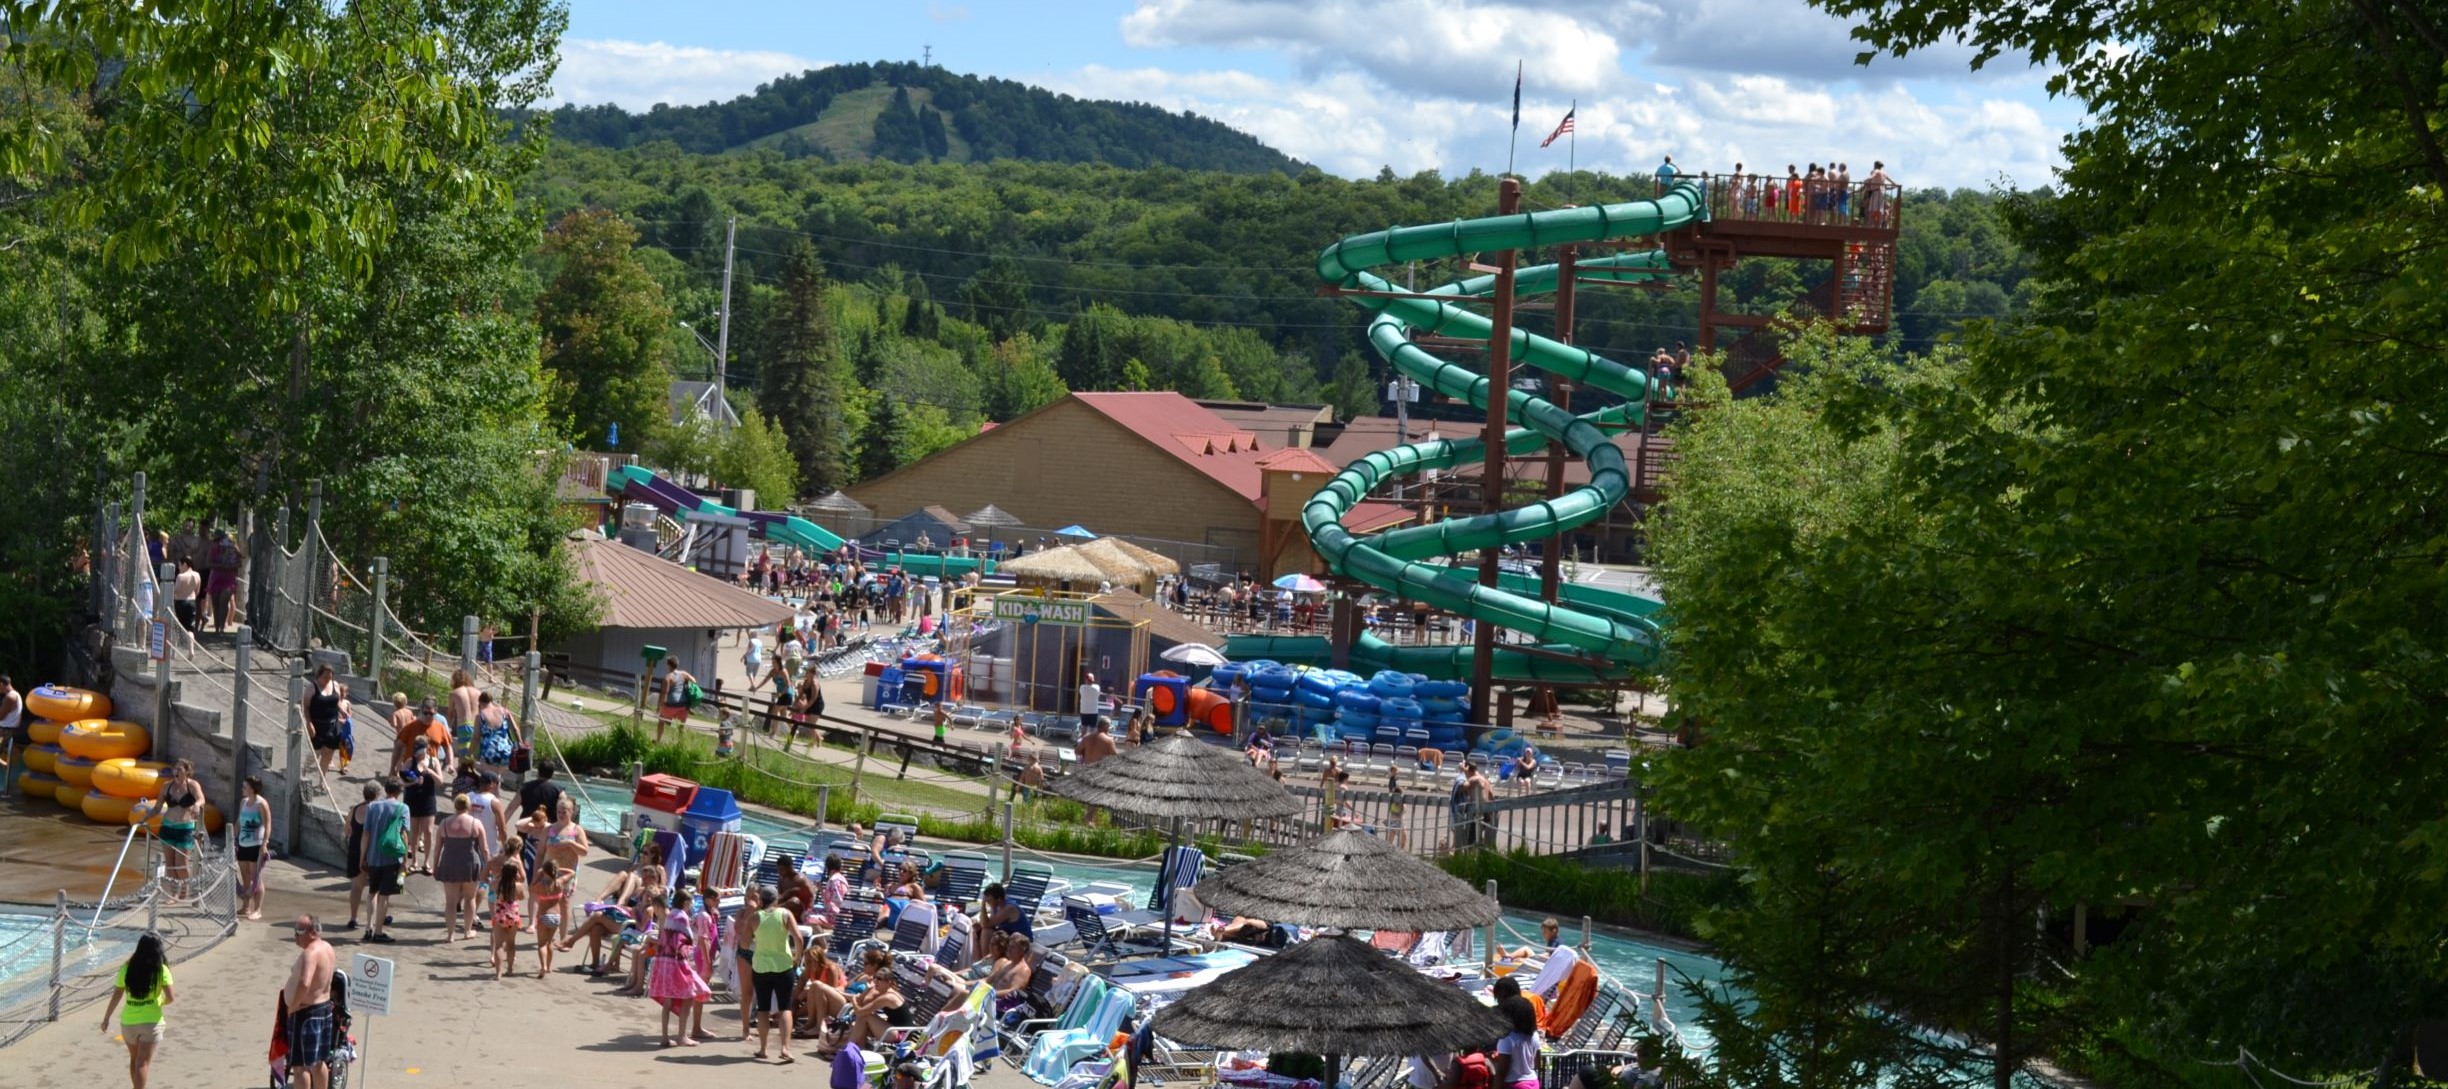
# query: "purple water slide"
663, 495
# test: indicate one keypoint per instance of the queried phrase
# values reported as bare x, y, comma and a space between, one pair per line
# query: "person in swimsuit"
327, 715
559, 839
1010, 976
254, 831
182, 803
674, 693
421, 773
797, 893
496, 736
508, 894
1001, 918
552, 889
354, 866
821, 995
743, 941
617, 914
308, 996
458, 862
882, 1005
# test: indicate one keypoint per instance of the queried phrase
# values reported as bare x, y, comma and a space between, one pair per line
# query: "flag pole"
1513, 143
1572, 145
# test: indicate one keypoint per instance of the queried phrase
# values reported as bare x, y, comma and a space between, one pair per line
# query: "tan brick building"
1153, 465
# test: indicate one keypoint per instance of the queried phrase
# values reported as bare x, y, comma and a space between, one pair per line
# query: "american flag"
1563, 128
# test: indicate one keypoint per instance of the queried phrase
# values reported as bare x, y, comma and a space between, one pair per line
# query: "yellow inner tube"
43, 758
35, 784
103, 739
43, 731
129, 778
76, 771
69, 795
101, 808
61, 703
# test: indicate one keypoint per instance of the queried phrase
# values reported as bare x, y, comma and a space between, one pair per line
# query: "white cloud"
636, 75
1351, 124
1437, 47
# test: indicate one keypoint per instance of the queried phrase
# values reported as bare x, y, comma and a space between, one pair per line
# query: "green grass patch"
1673, 904
1047, 824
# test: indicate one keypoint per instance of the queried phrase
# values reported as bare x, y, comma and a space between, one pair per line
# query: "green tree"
602, 318
802, 387
931, 133
1088, 358
997, 298
1353, 392
688, 446
1018, 379
881, 443
757, 454
2162, 634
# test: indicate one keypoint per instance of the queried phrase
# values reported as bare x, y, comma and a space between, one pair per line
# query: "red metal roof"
1297, 460
1178, 426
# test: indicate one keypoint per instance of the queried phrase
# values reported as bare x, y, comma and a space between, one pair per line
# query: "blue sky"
1414, 84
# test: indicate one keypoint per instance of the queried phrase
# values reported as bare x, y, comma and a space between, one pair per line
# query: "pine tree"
1088, 359
997, 298
931, 133
802, 388
880, 446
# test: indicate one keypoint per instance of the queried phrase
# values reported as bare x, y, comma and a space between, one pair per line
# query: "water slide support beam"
1492, 473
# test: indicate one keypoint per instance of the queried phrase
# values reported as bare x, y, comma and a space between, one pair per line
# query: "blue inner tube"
1355, 699
1441, 689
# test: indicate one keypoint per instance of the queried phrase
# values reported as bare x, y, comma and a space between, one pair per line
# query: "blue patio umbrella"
1075, 531
1300, 584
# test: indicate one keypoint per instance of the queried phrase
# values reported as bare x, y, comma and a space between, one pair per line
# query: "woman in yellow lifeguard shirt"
144, 988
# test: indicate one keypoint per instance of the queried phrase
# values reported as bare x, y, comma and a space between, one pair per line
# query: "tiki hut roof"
1333, 995
1179, 776
1348, 879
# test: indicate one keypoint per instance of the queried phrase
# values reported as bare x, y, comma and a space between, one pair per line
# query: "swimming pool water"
602, 803
25, 955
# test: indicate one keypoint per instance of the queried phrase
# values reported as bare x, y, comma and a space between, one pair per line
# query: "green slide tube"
1610, 630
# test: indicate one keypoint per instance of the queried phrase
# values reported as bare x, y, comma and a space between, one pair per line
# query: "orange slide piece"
1210, 709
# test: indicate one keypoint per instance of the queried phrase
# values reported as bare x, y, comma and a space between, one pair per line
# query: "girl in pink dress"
675, 982
702, 927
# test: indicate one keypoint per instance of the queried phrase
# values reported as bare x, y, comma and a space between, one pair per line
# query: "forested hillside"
962, 294
909, 113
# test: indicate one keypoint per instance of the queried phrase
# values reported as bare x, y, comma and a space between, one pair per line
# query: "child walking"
509, 894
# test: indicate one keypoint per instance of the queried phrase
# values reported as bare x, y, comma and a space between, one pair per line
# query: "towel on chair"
1579, 990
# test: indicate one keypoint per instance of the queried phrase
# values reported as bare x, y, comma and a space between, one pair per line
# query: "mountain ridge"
912, 113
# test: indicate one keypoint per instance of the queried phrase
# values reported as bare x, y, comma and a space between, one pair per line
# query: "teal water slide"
1609, 633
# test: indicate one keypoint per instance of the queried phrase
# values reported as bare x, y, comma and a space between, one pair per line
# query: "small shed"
1039, 665
940, 527
648, 600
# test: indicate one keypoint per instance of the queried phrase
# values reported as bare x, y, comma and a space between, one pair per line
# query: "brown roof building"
651, 601
1153, 465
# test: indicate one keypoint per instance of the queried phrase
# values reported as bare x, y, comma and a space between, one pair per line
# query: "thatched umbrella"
839, 502
1054, 566
1152, 559
1348, 879
994, 517
1336, 996
1178, 778
1123, 568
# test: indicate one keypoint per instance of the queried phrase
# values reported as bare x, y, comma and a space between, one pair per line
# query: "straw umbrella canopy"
1121, 567
1147, 557
839, 502
1055, 566
1179, 778
1336, 996
1348, 880
992, 516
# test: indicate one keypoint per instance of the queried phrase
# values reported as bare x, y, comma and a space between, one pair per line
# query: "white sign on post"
1032, 609
157, 644
369, 985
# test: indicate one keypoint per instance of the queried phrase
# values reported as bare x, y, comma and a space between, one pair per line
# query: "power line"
1310, 269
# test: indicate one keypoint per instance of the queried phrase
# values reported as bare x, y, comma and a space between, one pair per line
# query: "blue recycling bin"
714, 811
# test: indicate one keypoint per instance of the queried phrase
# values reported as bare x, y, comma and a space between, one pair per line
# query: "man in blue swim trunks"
309, 997
1000, 917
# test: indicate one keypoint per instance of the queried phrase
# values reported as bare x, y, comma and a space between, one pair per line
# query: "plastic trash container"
714, 810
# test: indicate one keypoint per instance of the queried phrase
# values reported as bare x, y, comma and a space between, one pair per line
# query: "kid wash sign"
1031, 609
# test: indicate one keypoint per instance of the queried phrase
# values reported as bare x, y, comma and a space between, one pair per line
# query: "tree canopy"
2137, 623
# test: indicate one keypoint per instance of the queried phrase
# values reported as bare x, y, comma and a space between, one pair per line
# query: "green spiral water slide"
1615, 627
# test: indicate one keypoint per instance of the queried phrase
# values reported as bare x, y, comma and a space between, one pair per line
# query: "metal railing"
81, 943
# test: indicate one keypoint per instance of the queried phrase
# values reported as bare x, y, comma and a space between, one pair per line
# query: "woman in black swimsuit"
327, 709
182, 810
882, 1005
422, 776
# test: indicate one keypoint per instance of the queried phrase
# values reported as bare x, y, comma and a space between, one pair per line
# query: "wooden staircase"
1865, 287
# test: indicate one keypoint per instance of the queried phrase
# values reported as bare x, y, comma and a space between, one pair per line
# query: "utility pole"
927, 56
722, 333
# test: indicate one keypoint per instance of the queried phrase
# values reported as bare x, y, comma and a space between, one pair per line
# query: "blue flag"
1517, 74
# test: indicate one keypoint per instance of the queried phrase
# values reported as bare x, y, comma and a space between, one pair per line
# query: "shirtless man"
311, 1032
1097, 745
797, 893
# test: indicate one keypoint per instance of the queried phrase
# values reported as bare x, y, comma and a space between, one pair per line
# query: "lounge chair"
1052, 1052
859, 913
1108, 936
914, 931
963, 877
